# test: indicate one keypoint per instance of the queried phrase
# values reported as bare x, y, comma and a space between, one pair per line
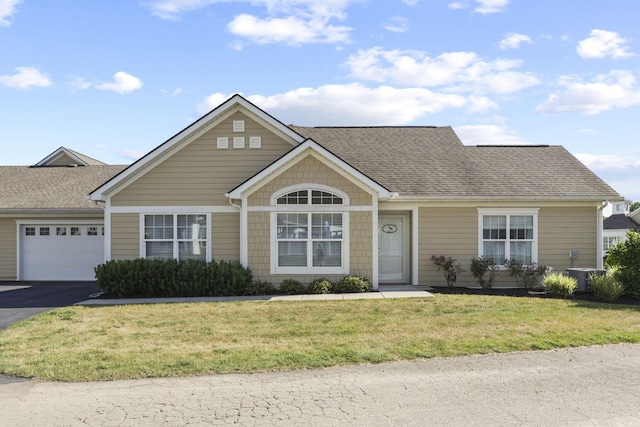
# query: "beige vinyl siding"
450, 232
563, 229
310, 170
360, 249
8, 252
225, 235
454, 232
200, 173
63, 160
125, 236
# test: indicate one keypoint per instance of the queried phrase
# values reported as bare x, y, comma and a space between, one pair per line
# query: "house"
303, 202
616, 226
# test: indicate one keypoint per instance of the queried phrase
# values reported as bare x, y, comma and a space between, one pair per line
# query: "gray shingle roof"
619, 222
432, 162
51, 188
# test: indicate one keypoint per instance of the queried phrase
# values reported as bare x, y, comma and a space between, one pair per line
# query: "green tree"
626, 256
635, 205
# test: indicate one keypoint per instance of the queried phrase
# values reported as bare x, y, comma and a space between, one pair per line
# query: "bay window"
508, 234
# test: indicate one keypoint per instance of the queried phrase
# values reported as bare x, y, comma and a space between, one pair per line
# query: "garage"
60, 251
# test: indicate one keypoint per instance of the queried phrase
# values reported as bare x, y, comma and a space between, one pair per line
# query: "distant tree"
635, 205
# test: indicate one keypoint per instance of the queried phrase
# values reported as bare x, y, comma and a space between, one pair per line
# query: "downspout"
599, 246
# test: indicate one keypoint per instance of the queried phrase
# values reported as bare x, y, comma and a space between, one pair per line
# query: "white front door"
392, 242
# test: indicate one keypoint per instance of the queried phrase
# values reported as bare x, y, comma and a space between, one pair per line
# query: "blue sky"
114, 79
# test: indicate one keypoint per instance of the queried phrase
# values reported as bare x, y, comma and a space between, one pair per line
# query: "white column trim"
415, 244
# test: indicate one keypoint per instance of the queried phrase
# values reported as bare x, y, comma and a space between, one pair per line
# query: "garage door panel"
60, 252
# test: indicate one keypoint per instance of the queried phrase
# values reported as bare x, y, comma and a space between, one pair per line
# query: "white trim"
238, 142
415, 244
308, 208
255, 142
375, 245
510, 212
244, 233
173, 209
292, 157
275, 269
46, 221
308, 186
59, 153
222, 142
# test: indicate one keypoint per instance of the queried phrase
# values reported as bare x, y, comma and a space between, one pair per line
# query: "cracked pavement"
586, 386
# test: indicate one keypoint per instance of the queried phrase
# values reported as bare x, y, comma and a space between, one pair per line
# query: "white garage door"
60, 251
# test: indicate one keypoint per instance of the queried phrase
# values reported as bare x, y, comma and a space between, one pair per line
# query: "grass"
105, 343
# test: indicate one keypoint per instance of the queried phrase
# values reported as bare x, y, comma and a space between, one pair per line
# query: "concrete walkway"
587, 386
388, 291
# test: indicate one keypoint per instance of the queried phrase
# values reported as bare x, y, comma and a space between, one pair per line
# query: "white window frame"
482, 212
310, 209
238, 142
238, 125
222, 142
175, 240
255, 142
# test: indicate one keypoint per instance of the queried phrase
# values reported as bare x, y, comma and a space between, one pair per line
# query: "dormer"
64, 157
620, 207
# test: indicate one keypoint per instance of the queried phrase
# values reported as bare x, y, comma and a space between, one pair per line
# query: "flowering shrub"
449, 266
527, 276
480, 267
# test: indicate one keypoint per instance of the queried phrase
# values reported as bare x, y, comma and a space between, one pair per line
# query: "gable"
66, 157
221, 118
200, 173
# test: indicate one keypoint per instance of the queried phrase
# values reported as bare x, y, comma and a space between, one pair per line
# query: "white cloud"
398, 24
122, 83
514, 40
291, 30
26, 77
132, 154
617, 89
454, 71
289, 21
457, 5
7, 10
602, 44
410, 2
608, 161
353, 104
488, 135
491, 6
620, 170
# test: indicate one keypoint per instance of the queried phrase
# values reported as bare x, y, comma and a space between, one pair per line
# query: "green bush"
320, 286
291, 287
260, 287
171, 278
626, 256
607, 287
559, 284
481, 266
352, 284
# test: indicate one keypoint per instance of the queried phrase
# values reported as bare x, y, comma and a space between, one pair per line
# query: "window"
75, 231
44, 231
309, 238
508, 236
61, 231
175, 236
222, 142
92, 231
29, 231
609, 241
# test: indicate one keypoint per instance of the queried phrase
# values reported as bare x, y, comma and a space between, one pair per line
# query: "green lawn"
137, 341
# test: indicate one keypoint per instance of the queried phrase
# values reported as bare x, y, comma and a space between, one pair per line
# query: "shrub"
449, 266
606, 287
527, 276
320, 286
291, 287
480, 267
626, 256
352, 284
260, 287
172, 278
559, 284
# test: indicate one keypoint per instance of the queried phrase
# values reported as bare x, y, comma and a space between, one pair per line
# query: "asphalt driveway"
20, 300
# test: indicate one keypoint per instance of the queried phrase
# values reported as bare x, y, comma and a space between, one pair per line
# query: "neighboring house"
301, 202
618, 224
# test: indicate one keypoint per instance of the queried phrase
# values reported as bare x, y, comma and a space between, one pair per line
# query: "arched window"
310, 237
